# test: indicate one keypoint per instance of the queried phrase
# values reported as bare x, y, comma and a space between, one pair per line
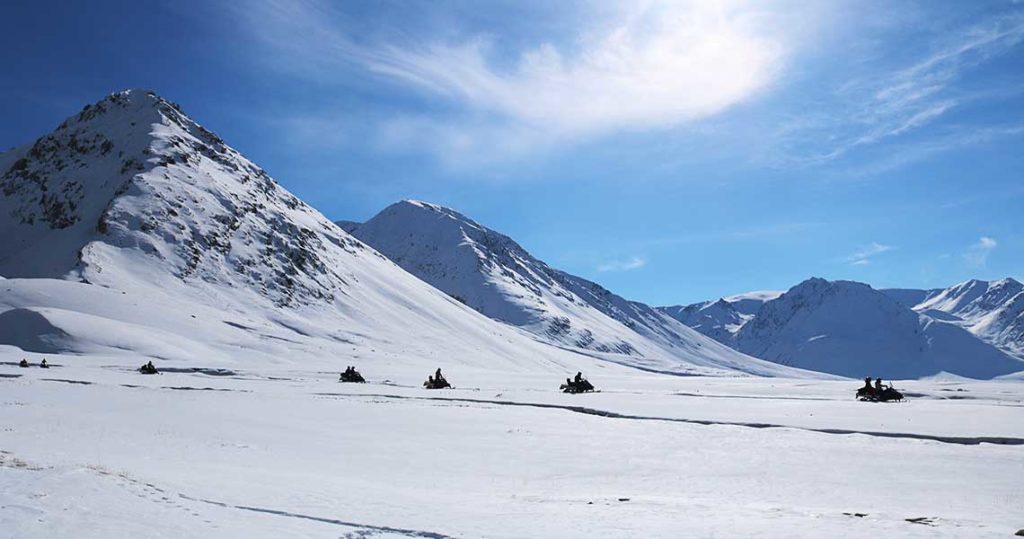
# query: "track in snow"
961, 440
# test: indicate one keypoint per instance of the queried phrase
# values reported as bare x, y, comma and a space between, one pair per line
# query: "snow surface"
491, 273
92, 449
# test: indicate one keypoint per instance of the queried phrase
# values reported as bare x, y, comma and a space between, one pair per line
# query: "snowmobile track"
960, 440
368, 527
149, 490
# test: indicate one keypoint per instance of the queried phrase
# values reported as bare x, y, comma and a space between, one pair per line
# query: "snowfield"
93, 449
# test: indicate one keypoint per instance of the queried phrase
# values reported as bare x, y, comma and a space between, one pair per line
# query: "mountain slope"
850, 329
722, 318
348, 226
496, 276
992, 310
719, 319
133, 231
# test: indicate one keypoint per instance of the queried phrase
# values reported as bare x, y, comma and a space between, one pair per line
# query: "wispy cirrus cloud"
886, 104
977, 254
638, 66
663, 64
474, 95
629, 264
864, 255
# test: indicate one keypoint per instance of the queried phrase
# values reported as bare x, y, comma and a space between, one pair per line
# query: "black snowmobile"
148, 368
351, 375
23, 363
576, 386
44, 364
436, 383
888, 393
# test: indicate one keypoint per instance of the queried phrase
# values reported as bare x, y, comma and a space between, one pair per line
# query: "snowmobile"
352, 376
23, 363
148, 368
582, 386
888, 393
44, 365
438, 383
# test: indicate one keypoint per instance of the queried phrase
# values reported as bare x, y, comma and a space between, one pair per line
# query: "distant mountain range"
972, 329
992, 310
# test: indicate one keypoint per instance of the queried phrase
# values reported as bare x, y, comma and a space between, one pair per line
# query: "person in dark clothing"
867, 386
579, 377
878, 385
438, 377
23, 363
44, 364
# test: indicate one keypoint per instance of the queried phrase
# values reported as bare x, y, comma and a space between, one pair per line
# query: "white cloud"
881, 106
630, 264
635, 66
479, 94
977, 255
662, 65
864, 254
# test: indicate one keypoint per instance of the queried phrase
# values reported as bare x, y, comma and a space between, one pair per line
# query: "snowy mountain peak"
993, 310
133, 178
493, 274
718, 319
848, 328
722, 304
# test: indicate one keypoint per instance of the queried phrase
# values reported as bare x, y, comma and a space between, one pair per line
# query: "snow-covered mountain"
348, 226
848, 328
750, 302
718, 319
133, 231
722, 318
496, 276
992, 310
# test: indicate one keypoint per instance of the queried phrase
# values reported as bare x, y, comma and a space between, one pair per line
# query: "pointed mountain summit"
848, 328
494, 275
132, 175
718, 319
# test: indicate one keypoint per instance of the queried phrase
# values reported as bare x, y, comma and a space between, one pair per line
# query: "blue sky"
672, 151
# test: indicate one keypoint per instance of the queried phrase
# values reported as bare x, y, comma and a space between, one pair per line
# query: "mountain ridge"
142, 234
493, 274
862, 331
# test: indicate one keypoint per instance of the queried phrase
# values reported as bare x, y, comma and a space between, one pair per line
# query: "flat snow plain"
92, 449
